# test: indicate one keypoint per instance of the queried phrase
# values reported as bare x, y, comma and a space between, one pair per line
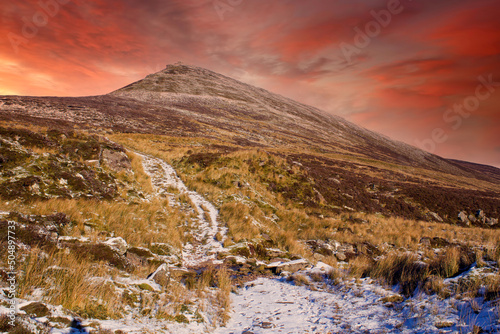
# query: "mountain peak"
182, 79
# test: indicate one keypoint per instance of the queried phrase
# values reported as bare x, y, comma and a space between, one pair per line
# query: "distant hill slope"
191, 101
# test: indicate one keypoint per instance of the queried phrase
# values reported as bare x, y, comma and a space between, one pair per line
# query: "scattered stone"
36, 309
118, 244
117, 161
266, 325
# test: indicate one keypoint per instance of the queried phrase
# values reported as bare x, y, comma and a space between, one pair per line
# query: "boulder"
480, 214
36, 309
118, 244
462, 217
117, 161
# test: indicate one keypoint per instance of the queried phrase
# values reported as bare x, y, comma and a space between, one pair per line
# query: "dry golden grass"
224, 285
360, 267
70, 281
140, 224
401, 268
435, 284
140, 176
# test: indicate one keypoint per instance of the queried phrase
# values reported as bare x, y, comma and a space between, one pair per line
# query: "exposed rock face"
117, 161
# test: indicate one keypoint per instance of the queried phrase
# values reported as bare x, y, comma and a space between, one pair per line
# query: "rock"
117, 244
435, 216
472, 218
341, 256
241, 249
319, 196
247, 332
335, 244
161, 275
320, 247
291, 266
266, 325
36, 309
117, 161
491, 221
462, 216
231, 259
145, 286
480, 214
274, 252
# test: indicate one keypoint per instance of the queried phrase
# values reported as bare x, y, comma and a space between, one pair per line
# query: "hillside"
153, 207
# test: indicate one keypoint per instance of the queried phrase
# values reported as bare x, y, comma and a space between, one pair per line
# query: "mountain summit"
262, 118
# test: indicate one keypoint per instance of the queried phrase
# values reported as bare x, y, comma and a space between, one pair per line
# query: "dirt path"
204, 246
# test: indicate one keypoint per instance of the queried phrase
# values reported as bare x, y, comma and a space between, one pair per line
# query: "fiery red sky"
425, 72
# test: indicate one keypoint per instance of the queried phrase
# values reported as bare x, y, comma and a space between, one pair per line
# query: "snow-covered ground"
205, 247
279, 306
